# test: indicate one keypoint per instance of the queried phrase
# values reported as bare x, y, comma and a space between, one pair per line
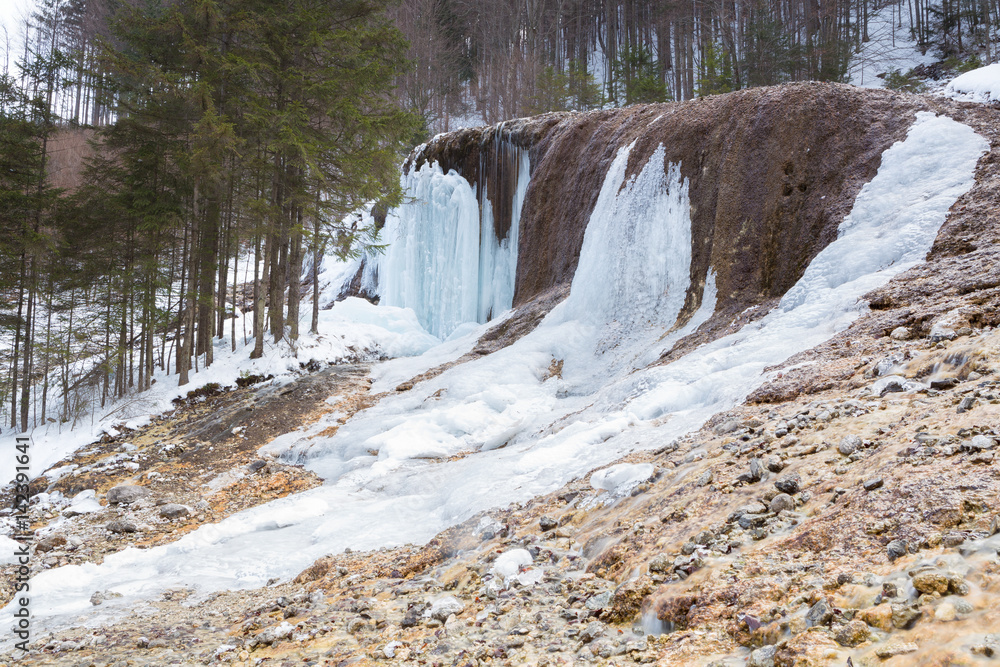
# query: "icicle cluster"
452, 247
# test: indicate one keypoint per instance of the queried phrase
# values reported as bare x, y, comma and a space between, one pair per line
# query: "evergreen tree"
637, 77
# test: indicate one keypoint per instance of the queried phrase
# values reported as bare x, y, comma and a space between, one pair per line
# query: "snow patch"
978, 85
8, 547
85, 502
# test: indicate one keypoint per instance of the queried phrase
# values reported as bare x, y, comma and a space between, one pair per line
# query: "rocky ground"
847, 514
196, 464
858, 522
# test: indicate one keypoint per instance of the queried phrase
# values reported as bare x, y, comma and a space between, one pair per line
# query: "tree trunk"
317, 255
295, 275
18, 323
258, 296
28, 355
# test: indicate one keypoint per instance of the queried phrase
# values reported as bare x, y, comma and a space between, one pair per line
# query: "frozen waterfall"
444, 259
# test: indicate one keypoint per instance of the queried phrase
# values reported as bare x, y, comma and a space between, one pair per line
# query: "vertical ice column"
498, 258
432, 261
635, 262
443, 257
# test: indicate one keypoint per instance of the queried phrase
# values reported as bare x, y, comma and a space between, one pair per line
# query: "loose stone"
782, 502
121, 526
126, 493
896, 549
892, 650
849, 444
174, 511
789, 484
873, 483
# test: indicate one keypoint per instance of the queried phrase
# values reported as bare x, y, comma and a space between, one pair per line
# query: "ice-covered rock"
893, 383
444, 607
621, 476
273, 634
508, 564
488, 528
531, 577
84, 502
389, 650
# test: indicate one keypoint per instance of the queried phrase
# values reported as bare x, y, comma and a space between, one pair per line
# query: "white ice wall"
635, 262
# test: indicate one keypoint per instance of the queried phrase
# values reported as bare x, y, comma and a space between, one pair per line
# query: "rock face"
772, 172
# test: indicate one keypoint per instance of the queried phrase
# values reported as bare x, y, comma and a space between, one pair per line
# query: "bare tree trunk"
185, 329
295, 275
29, 324
259, 282
17, 341
317, 256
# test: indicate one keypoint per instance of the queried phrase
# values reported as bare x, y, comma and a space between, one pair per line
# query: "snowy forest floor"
202, 455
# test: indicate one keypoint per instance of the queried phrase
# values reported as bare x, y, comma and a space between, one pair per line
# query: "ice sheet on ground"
85, 502
390, 374
8, 547
502, 429
623, 474
978, 85
531, 577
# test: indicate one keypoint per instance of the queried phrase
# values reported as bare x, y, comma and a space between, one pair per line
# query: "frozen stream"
388, 479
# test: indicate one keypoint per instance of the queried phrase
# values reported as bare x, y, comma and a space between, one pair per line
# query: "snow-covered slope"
353, 330
891, 45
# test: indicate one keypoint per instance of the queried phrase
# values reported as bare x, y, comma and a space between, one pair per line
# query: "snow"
7, 549
978, 85
85, 502
502, 429
388, 375
353, 329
